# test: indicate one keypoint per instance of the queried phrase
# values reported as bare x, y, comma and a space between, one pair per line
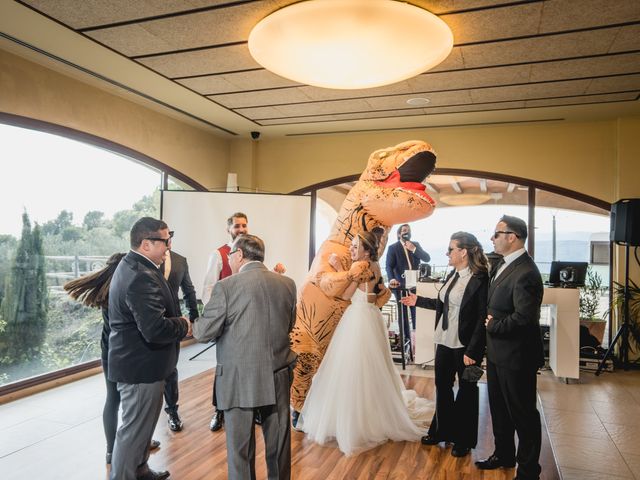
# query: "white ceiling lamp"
350, 44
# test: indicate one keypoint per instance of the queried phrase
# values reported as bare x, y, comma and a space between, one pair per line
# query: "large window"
66, 206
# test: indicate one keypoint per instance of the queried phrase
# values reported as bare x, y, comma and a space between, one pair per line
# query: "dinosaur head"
395, 192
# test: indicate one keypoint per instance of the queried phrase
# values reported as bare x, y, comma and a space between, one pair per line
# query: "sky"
46, 173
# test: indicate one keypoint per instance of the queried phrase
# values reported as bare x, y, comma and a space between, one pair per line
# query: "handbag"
472, 373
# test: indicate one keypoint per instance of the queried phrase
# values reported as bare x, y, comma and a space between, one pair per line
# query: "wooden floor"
197, 453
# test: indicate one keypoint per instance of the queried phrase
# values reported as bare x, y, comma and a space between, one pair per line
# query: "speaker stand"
623, 331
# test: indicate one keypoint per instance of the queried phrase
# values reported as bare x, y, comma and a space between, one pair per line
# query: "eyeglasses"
497, 233
233, 251
451, 249
166, 241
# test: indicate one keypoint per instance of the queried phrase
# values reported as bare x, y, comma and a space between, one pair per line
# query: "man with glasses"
250, 315
514, 352
145, 326
217, 269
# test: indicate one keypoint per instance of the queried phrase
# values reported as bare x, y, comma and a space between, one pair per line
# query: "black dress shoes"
217, 421
295, 417
494, 462
257, 419
429, 440
458, 451
175, 424
153, 475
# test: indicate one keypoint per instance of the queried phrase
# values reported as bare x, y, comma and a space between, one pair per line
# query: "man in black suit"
145, 327
176, 271
404, 255
514, 352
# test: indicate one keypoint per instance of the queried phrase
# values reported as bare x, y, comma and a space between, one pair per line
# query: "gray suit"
250, 314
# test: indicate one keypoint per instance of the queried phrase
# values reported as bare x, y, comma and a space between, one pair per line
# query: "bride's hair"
477, 259
369, 241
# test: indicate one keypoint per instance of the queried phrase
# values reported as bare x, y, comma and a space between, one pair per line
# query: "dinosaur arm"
383, 297
334, 284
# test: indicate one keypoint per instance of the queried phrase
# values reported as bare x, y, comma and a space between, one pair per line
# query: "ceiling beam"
511, 187
456, 186
432, 188
483, 185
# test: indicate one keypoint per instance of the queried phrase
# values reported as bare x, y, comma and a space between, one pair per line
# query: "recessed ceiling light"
418, 102
350, 44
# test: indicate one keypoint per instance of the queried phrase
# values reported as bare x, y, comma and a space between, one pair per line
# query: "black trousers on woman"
456, 418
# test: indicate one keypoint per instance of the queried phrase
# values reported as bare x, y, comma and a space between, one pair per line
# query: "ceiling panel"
509, 55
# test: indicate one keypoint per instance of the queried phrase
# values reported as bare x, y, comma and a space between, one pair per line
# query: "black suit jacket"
513, 336
145, 324
473, 312
179, 279
397, 261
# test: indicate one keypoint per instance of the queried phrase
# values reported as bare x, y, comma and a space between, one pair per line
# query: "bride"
357, 396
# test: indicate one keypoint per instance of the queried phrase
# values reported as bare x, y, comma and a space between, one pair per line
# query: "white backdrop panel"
199, 220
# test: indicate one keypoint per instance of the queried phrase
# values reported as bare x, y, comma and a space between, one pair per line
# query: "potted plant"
617, 305
590, 296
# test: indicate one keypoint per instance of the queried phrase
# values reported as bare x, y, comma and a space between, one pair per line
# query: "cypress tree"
24, 307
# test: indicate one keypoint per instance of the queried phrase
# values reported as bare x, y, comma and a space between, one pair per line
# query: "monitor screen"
568, 274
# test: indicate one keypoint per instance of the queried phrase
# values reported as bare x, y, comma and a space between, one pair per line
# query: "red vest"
224, 254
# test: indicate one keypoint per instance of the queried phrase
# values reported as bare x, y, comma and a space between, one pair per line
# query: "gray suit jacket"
250, 315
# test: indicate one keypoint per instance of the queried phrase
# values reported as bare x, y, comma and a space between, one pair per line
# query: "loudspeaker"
625, 221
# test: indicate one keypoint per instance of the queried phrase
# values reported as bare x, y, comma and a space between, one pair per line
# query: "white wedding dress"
357, 396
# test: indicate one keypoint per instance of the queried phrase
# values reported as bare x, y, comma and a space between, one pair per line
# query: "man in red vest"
217, 269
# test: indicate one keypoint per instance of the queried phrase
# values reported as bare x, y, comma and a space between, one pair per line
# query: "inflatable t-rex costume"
389, 191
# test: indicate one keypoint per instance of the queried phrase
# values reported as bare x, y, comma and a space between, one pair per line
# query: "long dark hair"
370, 243
477, 259
93, 289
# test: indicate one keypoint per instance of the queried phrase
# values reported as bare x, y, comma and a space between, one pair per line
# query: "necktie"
494, 270
445, 307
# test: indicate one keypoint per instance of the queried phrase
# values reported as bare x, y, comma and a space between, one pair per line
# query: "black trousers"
171, 392
512, 401
455, 418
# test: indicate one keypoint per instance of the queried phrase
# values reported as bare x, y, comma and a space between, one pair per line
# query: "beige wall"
33, 91
577, 156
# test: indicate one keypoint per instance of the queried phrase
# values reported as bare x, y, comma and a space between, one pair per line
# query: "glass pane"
569, 230
174, 184
66, 207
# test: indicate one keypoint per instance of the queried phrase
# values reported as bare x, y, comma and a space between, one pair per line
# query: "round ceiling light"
350, 44
418, 102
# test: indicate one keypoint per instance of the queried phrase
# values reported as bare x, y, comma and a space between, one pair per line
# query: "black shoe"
258, 418
295, 416
494, 462
429, 440
457, 451
155, 444
153, 475
217, 421
175, 424
108, 458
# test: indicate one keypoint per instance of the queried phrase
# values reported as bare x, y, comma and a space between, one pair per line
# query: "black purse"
472, 373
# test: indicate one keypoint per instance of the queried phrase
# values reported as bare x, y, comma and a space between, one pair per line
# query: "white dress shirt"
449, 337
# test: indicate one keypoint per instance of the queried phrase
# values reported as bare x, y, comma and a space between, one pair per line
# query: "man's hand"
409, 246
279, 268
189, 329
393, 283
468, 360
487, 320
409, 300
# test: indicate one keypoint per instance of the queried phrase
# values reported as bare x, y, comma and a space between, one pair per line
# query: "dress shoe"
154, 445
153, 475
108, 458
217, 421
494, 462
175, 424
257, 419
429, 440
295, 419
458, 451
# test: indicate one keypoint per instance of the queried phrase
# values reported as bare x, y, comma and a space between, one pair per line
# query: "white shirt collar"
465, 272
513, 256
144, 256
